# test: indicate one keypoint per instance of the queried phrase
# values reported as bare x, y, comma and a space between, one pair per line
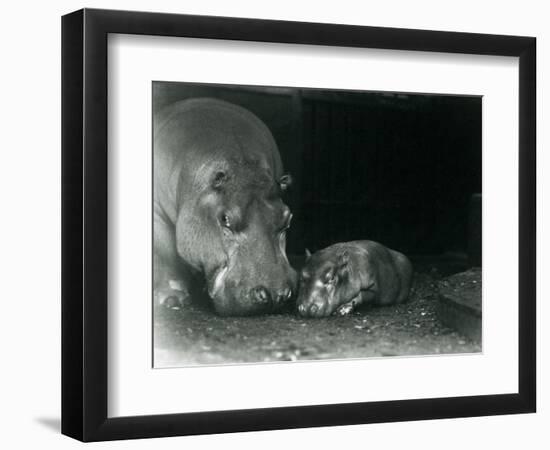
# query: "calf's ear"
342, 267
343, 260
285, 182
308, 255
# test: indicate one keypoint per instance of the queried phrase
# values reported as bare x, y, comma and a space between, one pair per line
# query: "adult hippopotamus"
341, 277
218, 210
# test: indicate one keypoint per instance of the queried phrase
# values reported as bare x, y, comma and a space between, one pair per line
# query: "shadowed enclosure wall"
396, 168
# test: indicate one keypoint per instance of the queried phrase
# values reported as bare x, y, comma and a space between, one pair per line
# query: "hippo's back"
209, 113
192, 136
394, 271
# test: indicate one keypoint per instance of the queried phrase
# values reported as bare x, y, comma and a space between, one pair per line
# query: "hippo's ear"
285, 182
308, 255
218, 180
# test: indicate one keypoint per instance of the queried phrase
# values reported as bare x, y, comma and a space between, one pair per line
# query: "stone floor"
194, 335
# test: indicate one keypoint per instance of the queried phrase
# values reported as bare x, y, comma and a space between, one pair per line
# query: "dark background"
395, 168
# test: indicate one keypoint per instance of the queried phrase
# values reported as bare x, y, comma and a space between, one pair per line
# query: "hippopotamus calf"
341, 277
218, 212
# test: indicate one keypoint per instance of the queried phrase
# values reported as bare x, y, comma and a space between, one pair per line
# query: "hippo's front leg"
170, 287
347, 308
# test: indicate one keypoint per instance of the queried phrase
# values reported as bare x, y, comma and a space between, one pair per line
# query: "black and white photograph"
297, 224
272, 225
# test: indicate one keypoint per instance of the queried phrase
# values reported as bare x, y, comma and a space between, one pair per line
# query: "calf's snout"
314, 308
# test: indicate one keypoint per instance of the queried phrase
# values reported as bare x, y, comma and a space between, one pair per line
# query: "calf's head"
325, 283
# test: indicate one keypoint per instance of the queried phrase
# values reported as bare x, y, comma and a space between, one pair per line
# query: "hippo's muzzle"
260, 295
231, 298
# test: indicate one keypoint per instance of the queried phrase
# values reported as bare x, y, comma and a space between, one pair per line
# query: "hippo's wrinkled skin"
341, 277
218, 212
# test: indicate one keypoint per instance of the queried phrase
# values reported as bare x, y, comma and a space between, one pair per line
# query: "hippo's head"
236, 236
325, 283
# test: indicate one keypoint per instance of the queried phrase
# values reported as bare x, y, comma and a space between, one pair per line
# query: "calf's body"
341, 277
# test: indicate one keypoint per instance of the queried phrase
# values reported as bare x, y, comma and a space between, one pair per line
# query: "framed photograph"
273, 224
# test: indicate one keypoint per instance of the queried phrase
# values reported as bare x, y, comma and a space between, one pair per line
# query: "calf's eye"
329, 277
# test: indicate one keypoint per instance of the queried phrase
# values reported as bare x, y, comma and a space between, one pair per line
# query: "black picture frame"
84, 224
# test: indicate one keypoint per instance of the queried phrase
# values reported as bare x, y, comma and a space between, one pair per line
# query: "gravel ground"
193, 334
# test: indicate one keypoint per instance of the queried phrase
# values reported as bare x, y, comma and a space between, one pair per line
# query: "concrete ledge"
460, 303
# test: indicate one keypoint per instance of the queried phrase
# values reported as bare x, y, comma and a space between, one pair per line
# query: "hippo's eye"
288, 219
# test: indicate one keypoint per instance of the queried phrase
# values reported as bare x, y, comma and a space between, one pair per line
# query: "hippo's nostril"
260, 295
313, 309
